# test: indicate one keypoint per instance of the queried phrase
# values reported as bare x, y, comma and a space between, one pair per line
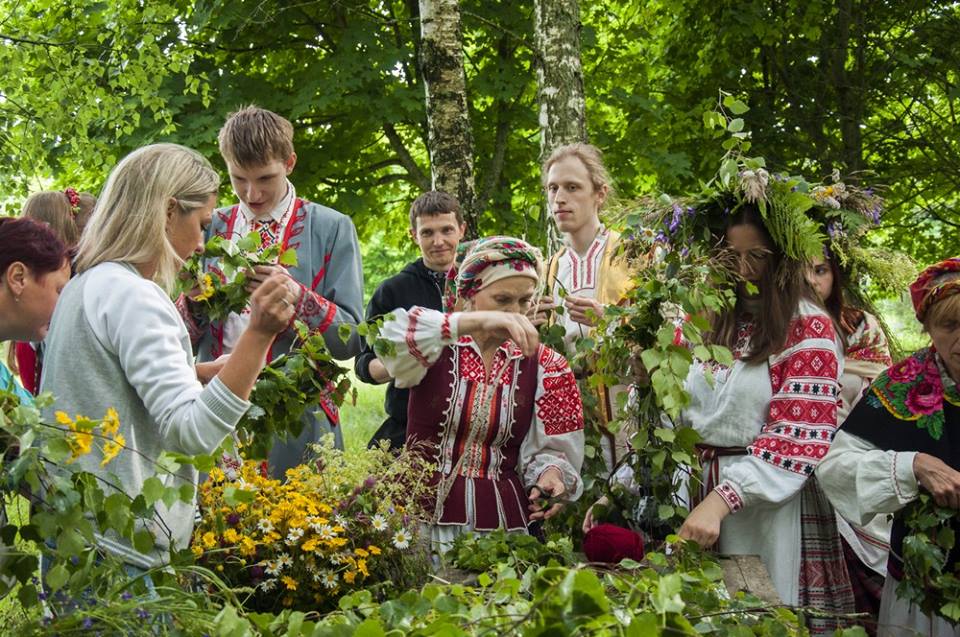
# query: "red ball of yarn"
609, 543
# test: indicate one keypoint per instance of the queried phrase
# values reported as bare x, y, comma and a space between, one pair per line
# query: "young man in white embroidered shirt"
587, 274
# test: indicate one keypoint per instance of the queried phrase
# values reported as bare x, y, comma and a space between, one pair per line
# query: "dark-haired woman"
867, 356
765, 422
34, 268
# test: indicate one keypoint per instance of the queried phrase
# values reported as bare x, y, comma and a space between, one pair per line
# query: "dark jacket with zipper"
416, 284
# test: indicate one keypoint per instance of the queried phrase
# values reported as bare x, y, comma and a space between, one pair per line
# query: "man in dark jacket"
436, 225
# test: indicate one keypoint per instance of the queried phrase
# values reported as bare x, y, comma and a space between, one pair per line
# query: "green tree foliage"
831, 84
847, 84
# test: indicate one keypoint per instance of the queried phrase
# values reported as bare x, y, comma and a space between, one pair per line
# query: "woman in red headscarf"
904, 437
498, 412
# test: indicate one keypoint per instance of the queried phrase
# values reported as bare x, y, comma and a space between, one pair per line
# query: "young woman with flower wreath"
499, 413
867, 355
904, 438
766, 421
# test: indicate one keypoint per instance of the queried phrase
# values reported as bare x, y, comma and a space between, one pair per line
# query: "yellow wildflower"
231, 536
63, 418
374, 550
197, 550
248, 547
289, 582
310, 545
209, 539
206, 288
349, 577
360, 553
216, 474
111, 423
362, 567
81, 443
111, 448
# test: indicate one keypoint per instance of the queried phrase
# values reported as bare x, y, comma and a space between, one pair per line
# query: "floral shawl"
914, 390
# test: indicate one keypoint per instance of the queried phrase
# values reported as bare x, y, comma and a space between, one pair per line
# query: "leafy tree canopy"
863, 87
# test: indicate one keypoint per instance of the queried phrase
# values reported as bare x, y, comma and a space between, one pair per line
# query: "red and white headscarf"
934, 284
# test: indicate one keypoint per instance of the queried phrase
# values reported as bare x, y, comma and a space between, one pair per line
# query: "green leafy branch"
931, 580
287, 387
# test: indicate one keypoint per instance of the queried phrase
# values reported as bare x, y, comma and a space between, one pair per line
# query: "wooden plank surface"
747, 573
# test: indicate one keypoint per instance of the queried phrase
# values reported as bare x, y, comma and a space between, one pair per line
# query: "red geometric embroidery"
551, 361
411, 339
560, 408
729, 496
803, 411
472, 368
814, 326
816, 363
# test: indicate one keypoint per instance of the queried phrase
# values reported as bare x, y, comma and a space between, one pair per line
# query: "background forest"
861, 86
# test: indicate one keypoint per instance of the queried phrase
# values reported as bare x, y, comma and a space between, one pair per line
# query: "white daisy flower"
340, 520
401, 539
273, 568
326, 533
329, 579
294, 535
265, 526
378, 523
267, 585
284, 560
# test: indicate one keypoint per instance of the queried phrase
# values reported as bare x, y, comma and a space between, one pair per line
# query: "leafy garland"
219, 294
655, 336
930, 580
286, 388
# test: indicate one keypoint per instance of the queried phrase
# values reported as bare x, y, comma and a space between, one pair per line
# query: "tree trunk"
450, 138
559, 78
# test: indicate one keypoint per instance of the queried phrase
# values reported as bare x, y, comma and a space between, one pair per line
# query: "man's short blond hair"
254, 136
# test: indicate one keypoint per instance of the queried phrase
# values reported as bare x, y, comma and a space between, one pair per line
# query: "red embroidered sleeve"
559, 408
314, 310
803, 412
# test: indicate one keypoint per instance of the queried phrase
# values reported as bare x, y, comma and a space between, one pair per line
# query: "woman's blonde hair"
129, 223
53, 208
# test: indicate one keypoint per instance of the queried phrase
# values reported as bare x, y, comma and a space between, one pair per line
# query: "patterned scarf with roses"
915, 389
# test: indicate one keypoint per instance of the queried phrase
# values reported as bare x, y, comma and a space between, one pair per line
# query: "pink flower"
905, 371
926, 397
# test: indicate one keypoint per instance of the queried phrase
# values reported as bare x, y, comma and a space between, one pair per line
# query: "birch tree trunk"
449, 136
559, 78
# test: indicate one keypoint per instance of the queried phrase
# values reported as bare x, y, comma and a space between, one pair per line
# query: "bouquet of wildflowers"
336, 525
222, 289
